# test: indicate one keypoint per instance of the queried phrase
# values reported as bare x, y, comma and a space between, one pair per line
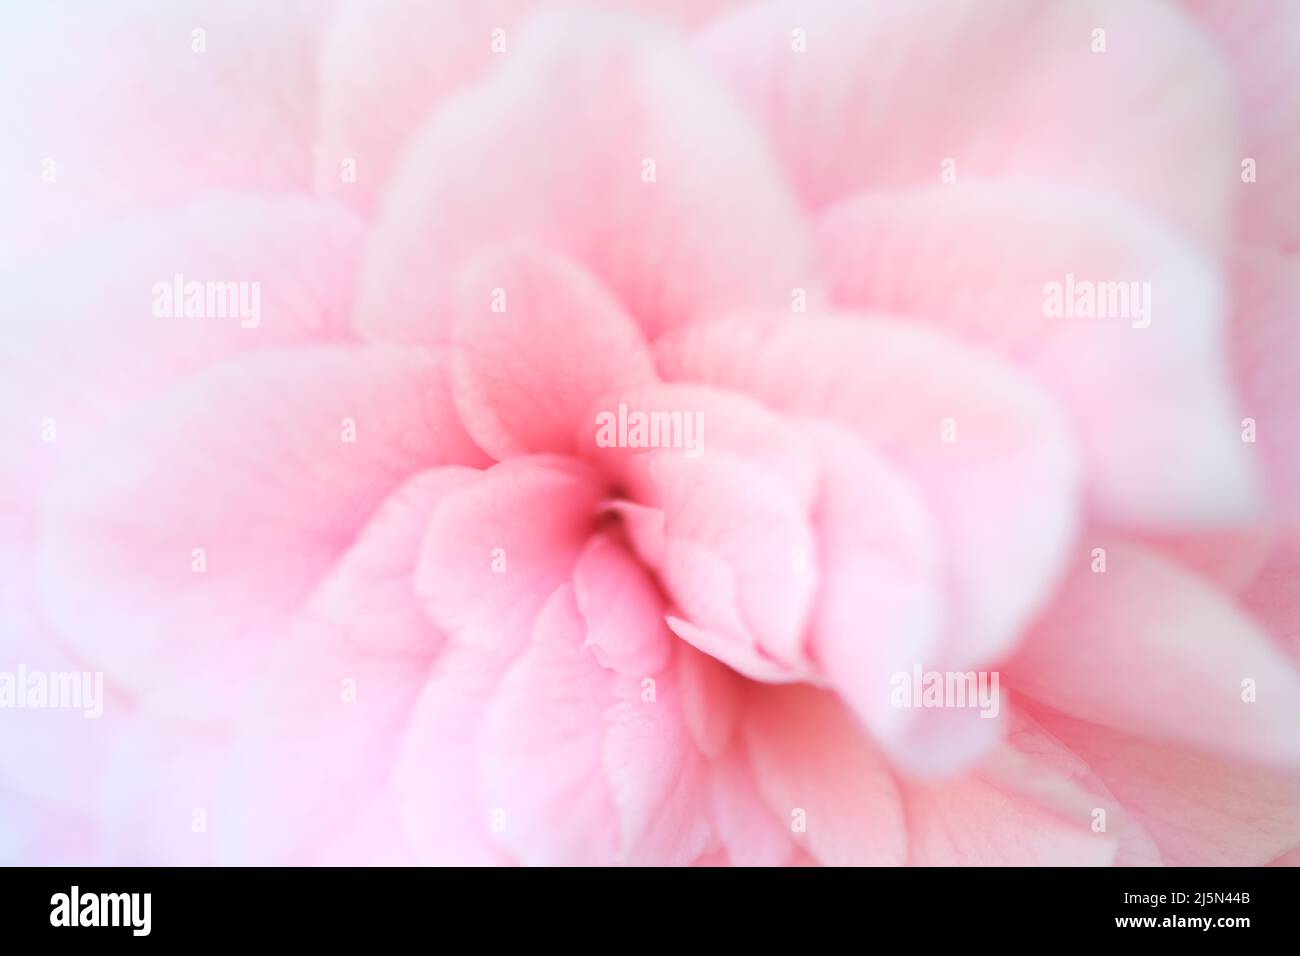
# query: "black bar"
337, 906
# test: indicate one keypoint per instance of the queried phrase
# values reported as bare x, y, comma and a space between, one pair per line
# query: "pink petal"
1290, 858
560, 135
496, 549
249, 463
1002, 91
710, 694
696, 420
386, 66
970, 822
579, 764
435, 775
879, 608
1150, 649
1003, 493
644, 528
1265, 352
55, 758
1262, 44
1032, 765
80, 353
540, 749
322, 729
1200, 811
752, 833
132, 116
525, 376
736, 653
622, 609
368, 602
809, 756
656, 775
1273, 599
1152, 406
1229, 558
731, 533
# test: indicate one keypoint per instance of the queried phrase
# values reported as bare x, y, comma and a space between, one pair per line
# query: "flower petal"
1262, 45
732, 532
1200, 811
1001, 91
526, 373
817, 771
388, 64
78, 353
211, 517
1146, 388
496, 550
604, 150
132, 114
1002, 490
1150, 649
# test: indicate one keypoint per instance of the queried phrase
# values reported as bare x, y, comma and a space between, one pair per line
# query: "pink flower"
697, 433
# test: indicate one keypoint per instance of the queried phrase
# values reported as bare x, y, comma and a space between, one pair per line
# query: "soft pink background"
500, 716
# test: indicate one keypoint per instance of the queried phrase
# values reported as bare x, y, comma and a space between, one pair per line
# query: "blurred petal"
880, 606
1261, 41
526, 374
1150, 649
435, 782
622, 609
540, 749
250, 464
558, 147
752, 833
82, 341
816, 770
388, 64
730, 531
1147, 390
1001, 90
1002, 491
496, 549
132, 114
368, 602
1200, 811
1265, 354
